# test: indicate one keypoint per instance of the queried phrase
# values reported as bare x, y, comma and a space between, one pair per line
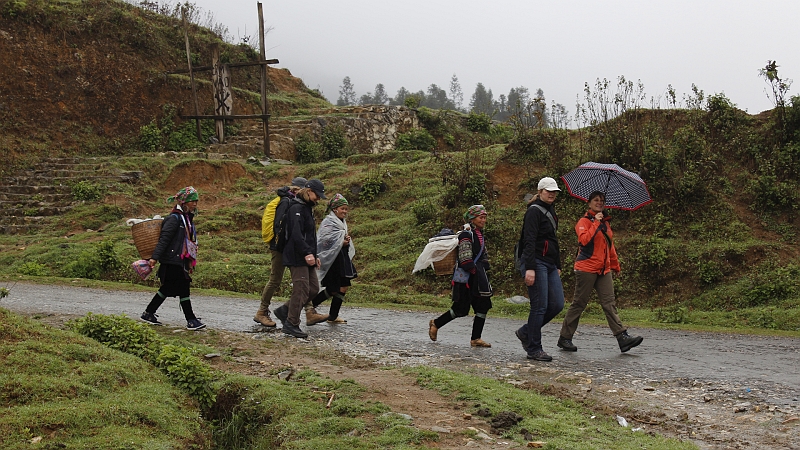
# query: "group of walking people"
319, 261
321, 267
539, 263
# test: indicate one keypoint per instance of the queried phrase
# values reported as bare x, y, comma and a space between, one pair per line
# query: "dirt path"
720, 390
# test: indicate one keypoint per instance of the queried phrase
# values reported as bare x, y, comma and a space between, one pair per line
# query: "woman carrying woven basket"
177, 252
476, 292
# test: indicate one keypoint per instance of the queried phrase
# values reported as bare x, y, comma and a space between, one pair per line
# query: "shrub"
334, 142
425, 211
33, 269
370, 189
475, 191
98, 263
416, 140
188, 373
150, 138
307, 150
86, 191
120, 333
479, 122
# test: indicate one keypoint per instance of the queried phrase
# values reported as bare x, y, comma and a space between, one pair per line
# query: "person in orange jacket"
596, 260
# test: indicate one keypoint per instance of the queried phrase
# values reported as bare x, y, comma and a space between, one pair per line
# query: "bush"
33, 269
120, 333
370, 189
416, 140
188, 373
307, 150
334, 142
99, 263
150, 138
425, 211
86, 191
479, 122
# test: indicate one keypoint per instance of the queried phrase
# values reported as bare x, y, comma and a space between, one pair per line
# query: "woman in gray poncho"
335, 251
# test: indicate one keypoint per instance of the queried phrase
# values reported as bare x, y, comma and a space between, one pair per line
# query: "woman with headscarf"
477, 291
541, 268
177, 252
335, 250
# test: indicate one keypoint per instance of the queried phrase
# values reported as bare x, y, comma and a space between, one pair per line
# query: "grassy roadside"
81, 394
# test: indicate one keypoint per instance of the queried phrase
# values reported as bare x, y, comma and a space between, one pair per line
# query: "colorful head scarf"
185, 195
475, 211
337, 201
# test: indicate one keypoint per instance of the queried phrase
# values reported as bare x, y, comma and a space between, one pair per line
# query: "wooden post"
264, 106
191, 74
223, 100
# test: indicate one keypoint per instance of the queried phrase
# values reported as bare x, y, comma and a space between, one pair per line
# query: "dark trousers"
305, 286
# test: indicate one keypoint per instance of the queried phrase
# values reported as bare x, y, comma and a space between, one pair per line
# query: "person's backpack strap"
549, 216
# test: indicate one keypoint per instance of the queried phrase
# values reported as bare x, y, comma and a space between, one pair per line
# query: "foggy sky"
553, 45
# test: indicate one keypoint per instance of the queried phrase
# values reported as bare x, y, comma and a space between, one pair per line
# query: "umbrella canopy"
624, 189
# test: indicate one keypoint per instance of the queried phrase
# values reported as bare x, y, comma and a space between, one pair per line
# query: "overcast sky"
553, 45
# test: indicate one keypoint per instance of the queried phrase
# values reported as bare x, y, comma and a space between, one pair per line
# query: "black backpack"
283, 232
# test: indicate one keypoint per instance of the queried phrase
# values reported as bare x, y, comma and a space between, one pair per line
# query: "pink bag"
142, 268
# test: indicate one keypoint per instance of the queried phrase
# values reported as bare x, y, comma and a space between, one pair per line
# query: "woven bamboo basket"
447, 265
145, 236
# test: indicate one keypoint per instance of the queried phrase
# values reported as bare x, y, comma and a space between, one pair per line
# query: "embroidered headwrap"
475, 211
337, 201
185, 195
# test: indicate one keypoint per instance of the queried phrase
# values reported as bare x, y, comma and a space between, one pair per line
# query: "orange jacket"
596, 252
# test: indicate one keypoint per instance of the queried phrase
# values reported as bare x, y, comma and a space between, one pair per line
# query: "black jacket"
302, 232
539, 237
170, 241
286, 195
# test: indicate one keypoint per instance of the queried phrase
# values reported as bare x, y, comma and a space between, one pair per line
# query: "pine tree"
347, 93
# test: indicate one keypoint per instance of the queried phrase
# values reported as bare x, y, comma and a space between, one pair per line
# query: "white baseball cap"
548, 184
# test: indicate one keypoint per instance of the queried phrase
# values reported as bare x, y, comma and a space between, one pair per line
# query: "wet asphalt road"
767, 364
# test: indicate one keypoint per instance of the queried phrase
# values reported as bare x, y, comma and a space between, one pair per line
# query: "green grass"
558, 423
74, 392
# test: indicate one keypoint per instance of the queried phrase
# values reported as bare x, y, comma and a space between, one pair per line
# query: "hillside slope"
86, 76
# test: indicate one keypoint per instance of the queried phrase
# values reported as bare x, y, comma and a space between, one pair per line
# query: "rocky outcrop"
370, 129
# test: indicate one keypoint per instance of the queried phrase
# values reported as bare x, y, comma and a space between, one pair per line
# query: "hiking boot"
337, 320
540, 355
523, 339
627, 342
194, 325
282, 313
293, 330
150, 318
479, 343
313, 317
566, 344
432, 330
262, 318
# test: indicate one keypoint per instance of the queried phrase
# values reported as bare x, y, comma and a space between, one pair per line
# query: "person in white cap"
541, 268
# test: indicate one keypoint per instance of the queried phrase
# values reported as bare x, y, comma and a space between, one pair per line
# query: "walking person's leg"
290, 312
275, 277
605, 294
538, 294
481, 306
584, 283
459, 308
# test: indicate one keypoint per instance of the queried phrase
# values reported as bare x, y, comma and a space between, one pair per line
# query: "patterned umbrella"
624, 190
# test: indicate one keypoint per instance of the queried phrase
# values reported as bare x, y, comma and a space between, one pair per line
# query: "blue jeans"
547, 300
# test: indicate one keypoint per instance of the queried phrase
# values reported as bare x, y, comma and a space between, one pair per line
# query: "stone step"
39, 198
37, 211
19, 229
68, 180
33, 190
22, 220
28, 203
